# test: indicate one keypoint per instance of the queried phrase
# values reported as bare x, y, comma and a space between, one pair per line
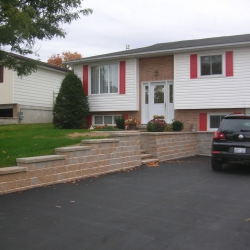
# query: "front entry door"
157, 96
157, 99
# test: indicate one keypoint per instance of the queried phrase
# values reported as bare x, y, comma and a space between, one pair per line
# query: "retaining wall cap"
72, 149
205, 132
99, 141
124, 134
166, 133
13, 170
41, 158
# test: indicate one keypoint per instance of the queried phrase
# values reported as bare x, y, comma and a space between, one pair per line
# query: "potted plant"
131, 123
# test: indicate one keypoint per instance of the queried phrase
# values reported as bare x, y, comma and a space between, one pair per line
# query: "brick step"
146, 161
145, 156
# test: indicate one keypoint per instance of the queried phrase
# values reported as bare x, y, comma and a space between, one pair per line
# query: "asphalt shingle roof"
177, 45
44, 64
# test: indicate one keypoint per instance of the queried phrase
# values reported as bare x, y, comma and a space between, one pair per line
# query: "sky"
140, 23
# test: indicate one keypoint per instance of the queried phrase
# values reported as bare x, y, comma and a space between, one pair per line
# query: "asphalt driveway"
178, 205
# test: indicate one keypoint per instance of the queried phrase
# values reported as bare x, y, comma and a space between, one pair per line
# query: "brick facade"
164, 65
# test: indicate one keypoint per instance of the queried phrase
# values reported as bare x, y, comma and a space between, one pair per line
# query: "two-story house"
29, 99
196, 81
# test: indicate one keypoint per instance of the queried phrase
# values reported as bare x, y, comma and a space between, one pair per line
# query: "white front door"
157, 99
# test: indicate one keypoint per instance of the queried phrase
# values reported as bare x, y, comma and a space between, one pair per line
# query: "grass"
17, 141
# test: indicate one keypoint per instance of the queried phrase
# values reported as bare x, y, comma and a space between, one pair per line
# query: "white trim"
208, 120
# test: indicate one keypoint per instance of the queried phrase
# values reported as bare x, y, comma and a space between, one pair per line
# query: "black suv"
231, 142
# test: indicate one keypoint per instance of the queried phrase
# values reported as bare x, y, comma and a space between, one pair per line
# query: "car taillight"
219, 136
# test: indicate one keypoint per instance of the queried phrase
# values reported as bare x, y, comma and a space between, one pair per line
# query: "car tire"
216, 165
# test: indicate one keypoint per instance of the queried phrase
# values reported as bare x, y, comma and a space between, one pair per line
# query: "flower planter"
132, 126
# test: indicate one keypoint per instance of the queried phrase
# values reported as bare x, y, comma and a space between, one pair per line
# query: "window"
214, 121
211, 65
171, 93
105, 119
146, 94
104, 79
1, 73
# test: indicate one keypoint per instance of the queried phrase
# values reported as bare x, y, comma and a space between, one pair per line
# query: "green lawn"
27, 140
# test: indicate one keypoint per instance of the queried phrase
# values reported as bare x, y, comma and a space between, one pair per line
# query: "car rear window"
235, 125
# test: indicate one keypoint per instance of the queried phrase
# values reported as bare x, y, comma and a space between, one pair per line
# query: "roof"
172, 47
47, 65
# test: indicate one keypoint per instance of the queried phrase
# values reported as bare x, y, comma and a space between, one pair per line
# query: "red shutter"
193, 66
89, 120
122, 77
1, 73
85, 79
125, 116
203, 122
229, 63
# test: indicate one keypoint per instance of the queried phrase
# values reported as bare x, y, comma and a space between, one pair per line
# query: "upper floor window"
1, 73
211, 65
104, 79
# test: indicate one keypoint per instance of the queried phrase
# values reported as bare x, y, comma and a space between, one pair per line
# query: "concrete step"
144, 156
146, 161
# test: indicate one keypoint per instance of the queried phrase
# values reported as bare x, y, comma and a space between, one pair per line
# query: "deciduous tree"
23, 22
58, 59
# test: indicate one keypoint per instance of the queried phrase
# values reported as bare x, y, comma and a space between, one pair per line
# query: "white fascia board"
55, 70
152, 53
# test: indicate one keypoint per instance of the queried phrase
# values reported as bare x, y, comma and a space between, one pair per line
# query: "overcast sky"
140, 23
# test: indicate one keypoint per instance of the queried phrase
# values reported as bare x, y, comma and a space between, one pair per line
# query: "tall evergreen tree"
71, 107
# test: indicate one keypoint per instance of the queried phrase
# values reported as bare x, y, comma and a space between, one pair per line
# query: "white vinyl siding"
117, 102
6, 87
212, 92
78, 69
37, 89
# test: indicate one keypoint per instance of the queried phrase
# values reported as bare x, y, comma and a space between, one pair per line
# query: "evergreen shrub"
177, 125
71, 107
120, 122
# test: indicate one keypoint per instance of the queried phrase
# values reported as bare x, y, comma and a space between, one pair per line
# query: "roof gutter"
179, 50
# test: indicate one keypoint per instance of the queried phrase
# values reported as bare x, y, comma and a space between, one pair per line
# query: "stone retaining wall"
92, 158
96, 157
174, 145
204, 143
169, 145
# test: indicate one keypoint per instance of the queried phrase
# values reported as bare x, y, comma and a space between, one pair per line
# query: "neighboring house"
29, 99
195, 81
